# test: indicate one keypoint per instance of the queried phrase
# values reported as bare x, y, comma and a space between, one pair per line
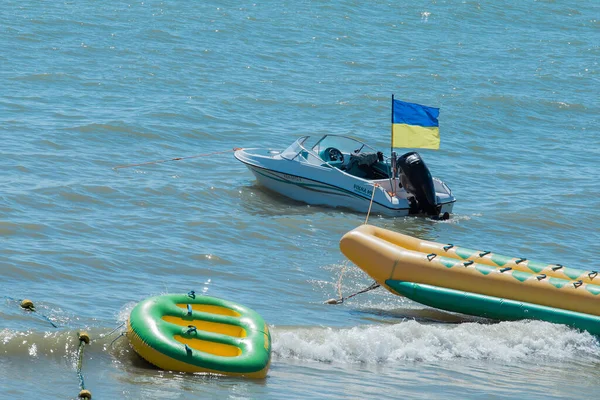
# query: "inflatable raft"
193, 333
475, 282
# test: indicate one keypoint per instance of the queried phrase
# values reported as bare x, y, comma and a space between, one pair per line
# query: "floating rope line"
83, 340
28, 305
175, 159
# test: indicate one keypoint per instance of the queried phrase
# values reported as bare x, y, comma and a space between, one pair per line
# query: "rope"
48, 319
113, 331
374, 285
175, 159
339, 284
115, 339
371, 203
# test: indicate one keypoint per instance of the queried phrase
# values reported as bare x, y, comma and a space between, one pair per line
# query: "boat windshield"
297, 151
345, 144
294, 149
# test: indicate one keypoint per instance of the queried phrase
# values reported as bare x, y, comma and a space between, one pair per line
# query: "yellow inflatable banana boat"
482, 257
472, 281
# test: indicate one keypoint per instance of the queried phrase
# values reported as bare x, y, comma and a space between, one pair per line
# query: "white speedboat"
340, 171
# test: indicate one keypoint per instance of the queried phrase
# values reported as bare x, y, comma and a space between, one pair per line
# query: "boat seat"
355, 170
367, 166
325, 156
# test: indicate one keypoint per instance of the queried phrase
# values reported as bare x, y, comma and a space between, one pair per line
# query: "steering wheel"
334, 154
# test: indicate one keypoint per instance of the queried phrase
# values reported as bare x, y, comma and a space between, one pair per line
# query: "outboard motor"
416, 180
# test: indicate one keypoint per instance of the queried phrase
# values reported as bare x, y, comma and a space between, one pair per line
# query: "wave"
409, 340
416, 341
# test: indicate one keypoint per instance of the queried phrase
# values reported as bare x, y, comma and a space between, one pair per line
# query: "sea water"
87, 86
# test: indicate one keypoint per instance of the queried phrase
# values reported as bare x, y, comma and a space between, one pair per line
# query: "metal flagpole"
392, 127
392, 153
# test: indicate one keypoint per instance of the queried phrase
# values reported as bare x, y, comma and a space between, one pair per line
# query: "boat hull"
320, 190
318, 193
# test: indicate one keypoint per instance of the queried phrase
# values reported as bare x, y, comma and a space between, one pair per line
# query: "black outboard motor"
416, 180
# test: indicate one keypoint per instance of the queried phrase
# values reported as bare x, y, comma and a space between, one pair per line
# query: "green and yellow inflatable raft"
475, 282
193, 333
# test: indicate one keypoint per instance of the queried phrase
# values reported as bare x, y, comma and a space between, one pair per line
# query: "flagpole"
392, 127
392, 154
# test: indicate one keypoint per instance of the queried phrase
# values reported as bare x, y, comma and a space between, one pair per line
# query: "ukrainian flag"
414, 125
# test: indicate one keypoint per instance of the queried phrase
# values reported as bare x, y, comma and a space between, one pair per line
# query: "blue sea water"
87, 86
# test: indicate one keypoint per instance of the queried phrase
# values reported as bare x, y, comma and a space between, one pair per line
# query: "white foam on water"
411, 340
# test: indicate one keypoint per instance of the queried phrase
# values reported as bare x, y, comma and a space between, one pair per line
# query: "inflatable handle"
191, 328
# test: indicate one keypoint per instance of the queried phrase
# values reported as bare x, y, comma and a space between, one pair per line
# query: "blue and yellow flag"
414, 125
